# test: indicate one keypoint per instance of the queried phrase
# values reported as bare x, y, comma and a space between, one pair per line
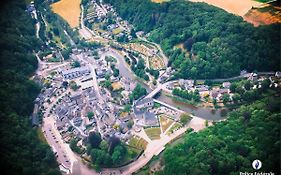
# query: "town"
110, 87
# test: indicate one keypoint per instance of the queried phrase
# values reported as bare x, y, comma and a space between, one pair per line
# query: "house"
87, 85
253, 77
144, 103
214, 93
62, 112
226, 85
150, 119
218, 93
92, 97
202, 88
76, 72
60, 124
76, 97
100, 73
186, 84
77, 121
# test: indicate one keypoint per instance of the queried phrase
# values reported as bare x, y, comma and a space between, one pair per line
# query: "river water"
202, 112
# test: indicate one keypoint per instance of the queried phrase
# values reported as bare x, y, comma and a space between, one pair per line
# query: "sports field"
69, 10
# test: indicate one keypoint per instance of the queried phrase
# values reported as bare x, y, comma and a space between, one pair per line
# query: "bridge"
154, 92
168, 106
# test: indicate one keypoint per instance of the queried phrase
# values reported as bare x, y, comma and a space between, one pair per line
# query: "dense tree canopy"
21, 150
219, 44
251, 132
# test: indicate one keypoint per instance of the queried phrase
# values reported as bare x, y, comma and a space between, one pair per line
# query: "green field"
153, 133
138, 142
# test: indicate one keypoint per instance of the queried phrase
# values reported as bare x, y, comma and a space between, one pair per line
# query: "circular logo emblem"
256, 164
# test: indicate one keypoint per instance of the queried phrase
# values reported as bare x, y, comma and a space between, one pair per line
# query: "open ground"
238, 7
69, 10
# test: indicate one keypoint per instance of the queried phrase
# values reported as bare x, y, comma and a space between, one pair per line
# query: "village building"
144, 103
226, 85
75, 72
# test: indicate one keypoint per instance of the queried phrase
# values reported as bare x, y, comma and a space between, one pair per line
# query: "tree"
116, 72
118, 154
138, 92
225, 98
236, 98
184, 118
73, 85
130, 124
104, 145
107, 76
113, 142
94, 139
90, 115
215, 102
73, 146
127, 108
107, 84
75, 64
66, 53
233, 87
265, 84
248, 85
100, 157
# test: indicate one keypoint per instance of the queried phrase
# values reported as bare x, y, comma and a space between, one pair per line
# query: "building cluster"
112, 25
146, 113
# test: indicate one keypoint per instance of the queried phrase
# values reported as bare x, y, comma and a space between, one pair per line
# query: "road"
154, 147
65, 156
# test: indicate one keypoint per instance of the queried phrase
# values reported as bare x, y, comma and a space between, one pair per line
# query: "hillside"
251, 132
219, 44
22, 152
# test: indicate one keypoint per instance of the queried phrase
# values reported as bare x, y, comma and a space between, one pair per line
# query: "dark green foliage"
100, 157
21, 150
76, 64
73, 146
251, 132
118, 154
139, 69
138, 92
220, 44
94, 139
112, 143
107, 154
66, 53
187, 95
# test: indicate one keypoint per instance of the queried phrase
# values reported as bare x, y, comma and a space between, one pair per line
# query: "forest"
216, 44
251, 132
22, 152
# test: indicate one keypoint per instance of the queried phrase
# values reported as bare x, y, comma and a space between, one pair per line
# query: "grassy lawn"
174, 128
165, 122
116, 31
153, 133
69, 10
138, 142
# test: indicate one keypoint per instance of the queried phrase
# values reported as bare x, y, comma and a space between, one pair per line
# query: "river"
202, 112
